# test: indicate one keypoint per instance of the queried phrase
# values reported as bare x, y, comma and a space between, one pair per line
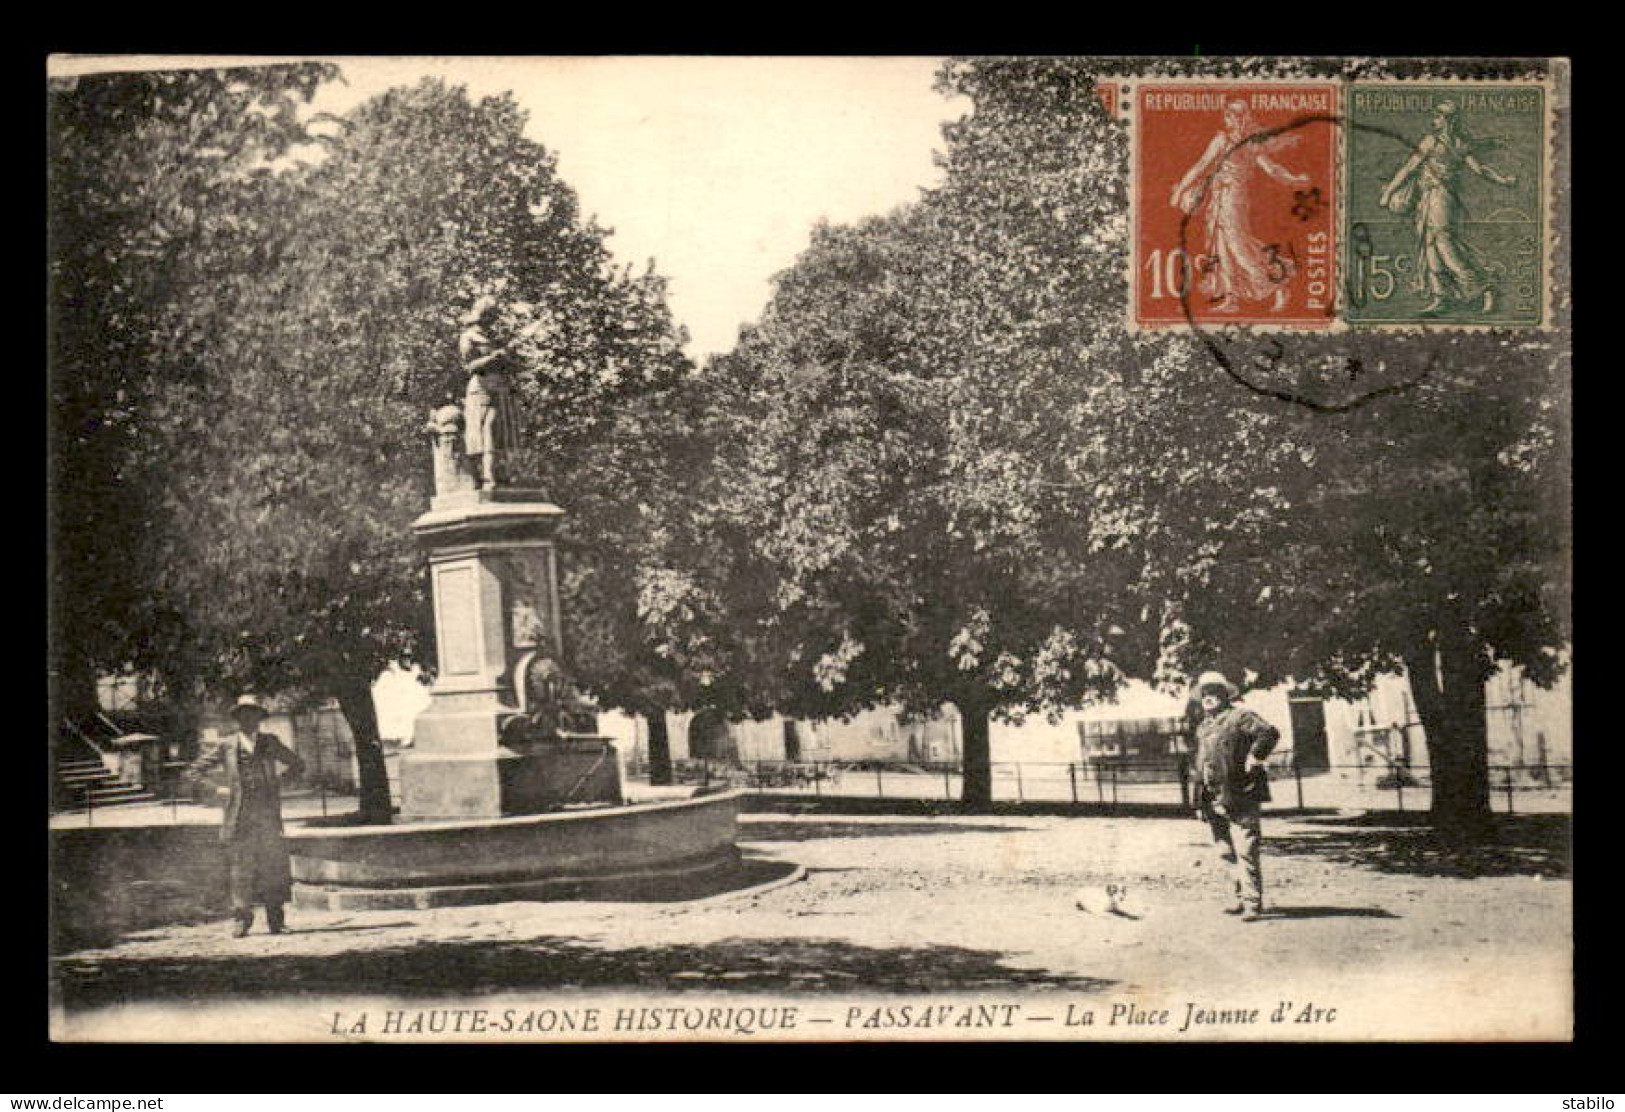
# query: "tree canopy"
157, 184
882, 464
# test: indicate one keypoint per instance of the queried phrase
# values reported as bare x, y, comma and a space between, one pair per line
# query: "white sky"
715, 167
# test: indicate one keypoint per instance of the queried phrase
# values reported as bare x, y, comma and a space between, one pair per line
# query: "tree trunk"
975, 755
659, 749
72, 692
1447, 679
372, 777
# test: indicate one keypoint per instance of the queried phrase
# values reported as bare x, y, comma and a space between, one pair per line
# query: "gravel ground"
1409, 940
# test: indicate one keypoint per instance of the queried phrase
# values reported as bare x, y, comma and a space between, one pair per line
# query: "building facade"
1143, 731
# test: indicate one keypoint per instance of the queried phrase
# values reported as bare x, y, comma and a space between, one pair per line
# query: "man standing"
1231, 744
251, 829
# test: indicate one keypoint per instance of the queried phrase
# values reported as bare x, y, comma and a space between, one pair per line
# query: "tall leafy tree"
671, 604
156, 183
632, 501
879, 467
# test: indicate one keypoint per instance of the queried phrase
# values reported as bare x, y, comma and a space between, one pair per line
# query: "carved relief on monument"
542, 689
550, 705
528, 582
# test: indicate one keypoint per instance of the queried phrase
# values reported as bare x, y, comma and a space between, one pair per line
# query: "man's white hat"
1216, 679
251, 701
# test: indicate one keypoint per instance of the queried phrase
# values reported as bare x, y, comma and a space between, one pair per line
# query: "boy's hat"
1216, 679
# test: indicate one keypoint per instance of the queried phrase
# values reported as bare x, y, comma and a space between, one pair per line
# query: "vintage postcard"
760, 550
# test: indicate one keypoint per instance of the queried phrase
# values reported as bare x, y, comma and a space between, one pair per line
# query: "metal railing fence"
1523, 788
1545, 787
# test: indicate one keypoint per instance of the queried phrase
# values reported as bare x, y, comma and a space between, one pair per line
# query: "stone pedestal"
495, 583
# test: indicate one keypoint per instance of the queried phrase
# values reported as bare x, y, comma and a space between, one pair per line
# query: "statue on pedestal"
490, 427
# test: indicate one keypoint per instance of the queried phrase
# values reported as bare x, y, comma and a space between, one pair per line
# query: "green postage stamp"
1444, 202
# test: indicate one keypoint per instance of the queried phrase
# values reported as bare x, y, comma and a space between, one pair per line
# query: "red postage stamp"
1235, 199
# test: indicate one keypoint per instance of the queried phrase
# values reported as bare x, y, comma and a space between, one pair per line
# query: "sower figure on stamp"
1430, 181
1238, 266
251, 828
1231, 744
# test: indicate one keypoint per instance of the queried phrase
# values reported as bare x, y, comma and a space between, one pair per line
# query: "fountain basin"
522, 857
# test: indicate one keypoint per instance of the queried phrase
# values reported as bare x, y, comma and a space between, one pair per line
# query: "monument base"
564, 855
316, 897
495, 783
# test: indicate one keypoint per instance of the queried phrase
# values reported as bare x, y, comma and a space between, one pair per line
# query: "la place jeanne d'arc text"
748, 1021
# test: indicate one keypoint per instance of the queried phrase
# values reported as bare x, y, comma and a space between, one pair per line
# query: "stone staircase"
83, 782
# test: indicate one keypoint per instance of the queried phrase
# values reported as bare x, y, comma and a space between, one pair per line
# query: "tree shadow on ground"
97, 919
1520, 845
1329, 913
811, 831
463, 968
